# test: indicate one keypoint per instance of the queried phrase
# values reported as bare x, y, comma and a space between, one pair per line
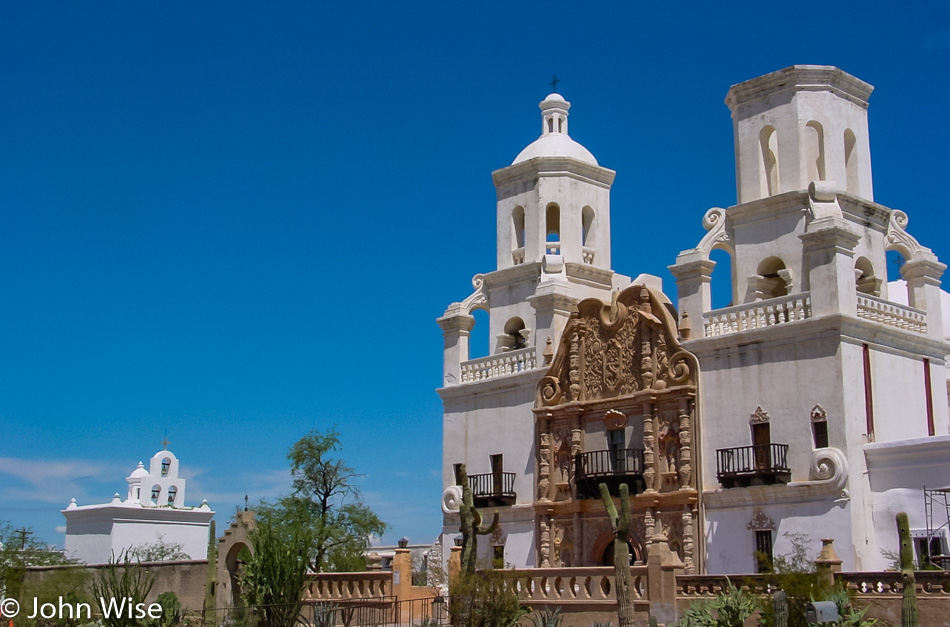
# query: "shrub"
729, 609
485, 599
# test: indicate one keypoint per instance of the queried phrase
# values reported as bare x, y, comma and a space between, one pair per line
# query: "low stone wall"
185, 578
882, 592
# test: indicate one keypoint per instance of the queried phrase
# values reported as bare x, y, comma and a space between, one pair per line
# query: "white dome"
139, 472
555, 145
554, 140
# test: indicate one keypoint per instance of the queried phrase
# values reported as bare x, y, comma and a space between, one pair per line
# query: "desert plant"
273, 578
600, 624
909, 616
730, 608
621, 528
470, 522
548, 618
118, 584
485, 599
324, 614
171, 611
850, 616
793, 573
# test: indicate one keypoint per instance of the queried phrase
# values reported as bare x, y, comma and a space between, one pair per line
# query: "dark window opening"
820, 430
763, 551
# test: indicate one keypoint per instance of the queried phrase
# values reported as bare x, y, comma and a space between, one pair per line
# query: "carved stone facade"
617, 406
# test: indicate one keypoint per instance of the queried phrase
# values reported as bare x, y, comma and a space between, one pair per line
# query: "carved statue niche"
563, 471
668, 444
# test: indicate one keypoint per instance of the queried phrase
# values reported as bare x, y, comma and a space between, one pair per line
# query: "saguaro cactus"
909, 605
470, 522
780, 603
211, 576
621, 528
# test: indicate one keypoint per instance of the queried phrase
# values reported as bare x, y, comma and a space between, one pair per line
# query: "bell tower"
554, 199
803, 124
553, 250
816, 361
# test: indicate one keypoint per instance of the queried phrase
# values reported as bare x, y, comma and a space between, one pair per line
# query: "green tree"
19, 549
274, 575
158, 551
327, 501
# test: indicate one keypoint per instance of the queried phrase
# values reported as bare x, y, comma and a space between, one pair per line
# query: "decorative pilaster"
544, 459
693, 286
686, 469
649, 523
576, 449
688, 539
649, 449
574, 374
544, 550
923, 291
456, 330
828, 245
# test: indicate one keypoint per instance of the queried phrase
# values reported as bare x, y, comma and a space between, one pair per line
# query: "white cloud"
57, 481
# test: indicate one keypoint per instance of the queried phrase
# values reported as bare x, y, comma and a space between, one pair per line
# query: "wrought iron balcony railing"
493, 489
611, 467
759, 464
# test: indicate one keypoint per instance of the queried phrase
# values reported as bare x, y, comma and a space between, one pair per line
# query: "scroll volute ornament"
616, 349
614, 419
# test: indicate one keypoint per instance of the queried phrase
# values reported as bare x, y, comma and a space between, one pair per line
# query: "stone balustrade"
499, 365
348, 586
697, 587
889, 583
566, 586
762, 313
892, 314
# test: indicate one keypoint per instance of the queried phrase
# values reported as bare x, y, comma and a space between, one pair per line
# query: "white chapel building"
815, 404
153, 511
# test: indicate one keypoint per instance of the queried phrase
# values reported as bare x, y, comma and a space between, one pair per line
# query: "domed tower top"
554, 140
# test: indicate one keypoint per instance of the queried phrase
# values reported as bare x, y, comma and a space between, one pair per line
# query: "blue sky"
238, 221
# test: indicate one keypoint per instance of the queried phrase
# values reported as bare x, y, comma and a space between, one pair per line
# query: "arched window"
156, 491
552, 222
172, 493
166, 464
515, 337
587, 226
851, 161
865, 281
773, 279
517, 228
723, 280
478, 342
768, 141
815, 151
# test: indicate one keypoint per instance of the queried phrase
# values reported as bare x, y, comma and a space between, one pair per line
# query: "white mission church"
816, 404
153, 511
